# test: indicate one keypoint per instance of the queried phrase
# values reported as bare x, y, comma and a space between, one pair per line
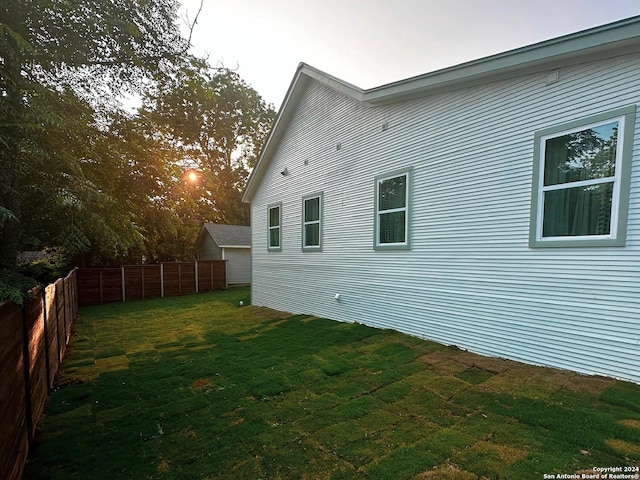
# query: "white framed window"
581, 182
392, 210
274, 222
312, 222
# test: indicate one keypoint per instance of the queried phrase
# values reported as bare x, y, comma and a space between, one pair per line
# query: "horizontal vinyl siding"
238, 265
470, 278
208, 249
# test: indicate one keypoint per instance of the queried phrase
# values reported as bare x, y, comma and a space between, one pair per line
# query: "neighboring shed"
227, 242
494, 205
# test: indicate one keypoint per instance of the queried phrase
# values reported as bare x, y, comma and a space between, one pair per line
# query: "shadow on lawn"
216, 391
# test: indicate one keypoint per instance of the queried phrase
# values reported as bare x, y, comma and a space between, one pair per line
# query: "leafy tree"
60, 63
220, 123
146, 176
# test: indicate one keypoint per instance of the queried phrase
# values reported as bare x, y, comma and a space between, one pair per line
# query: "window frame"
621, 181
406, 245
312, 248
270, 247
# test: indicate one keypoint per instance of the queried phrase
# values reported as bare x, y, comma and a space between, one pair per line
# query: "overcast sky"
370, 43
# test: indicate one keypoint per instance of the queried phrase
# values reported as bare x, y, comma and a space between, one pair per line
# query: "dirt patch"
505, 453
490, 364
626, 448
447, 472
632, 423
264, 312
439, 356
202, 383
163, 466
188, 433
593, 385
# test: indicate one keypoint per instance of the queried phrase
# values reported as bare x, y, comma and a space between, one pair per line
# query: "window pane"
312, 235
312, 209
274, 217
392, 193
392, 227
274, 237
578, 211
582, 155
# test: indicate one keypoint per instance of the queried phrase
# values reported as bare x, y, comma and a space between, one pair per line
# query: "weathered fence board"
14, 439
33, 340
137, 282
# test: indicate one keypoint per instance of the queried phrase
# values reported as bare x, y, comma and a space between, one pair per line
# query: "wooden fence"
137, 282
33, 341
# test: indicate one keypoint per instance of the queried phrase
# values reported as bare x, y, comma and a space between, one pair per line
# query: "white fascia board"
332, 82
235, 246
601, 42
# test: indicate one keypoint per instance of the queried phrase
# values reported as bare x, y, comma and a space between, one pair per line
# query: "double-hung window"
274, 233
392, 210
581, 182
312, 222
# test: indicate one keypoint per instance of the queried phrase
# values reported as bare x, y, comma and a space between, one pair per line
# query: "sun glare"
192, 176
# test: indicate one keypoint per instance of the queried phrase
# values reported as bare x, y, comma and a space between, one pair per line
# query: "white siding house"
227, 242
494, 205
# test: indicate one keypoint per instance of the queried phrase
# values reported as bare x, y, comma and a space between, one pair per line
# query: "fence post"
27, 376
101, 295
196, 269
142, 280
64, 315
124, 298
56, 299
162, 280
46, 337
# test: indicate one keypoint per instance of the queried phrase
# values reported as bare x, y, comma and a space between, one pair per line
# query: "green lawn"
199, 387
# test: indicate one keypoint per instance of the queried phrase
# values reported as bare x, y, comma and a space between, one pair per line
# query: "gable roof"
613, 39
228, 235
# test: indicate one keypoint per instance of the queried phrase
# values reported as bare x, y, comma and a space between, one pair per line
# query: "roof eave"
613, 39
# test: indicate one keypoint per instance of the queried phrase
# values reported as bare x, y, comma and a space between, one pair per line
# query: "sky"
375, 42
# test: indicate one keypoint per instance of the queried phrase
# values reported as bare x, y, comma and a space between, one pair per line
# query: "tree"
220, 123
61, 62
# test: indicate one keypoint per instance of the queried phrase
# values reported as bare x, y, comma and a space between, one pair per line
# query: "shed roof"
229, 235
613, 39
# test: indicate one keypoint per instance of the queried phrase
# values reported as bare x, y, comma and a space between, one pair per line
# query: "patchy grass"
199, 388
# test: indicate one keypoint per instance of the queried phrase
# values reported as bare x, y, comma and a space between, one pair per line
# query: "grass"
200, 388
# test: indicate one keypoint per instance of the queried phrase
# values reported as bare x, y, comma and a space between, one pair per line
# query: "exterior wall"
470, 278
238, 265
208, 249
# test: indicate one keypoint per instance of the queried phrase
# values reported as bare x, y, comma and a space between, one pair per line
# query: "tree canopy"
104, 185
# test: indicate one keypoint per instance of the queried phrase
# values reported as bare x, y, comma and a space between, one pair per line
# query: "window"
274, 237
581, 182
312, 222
392, 211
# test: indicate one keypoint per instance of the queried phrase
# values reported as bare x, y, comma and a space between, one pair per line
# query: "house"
494, 205
227, 242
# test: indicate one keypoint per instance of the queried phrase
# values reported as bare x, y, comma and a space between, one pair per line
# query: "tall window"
392, 213
275, 228
581, 171
312, 222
